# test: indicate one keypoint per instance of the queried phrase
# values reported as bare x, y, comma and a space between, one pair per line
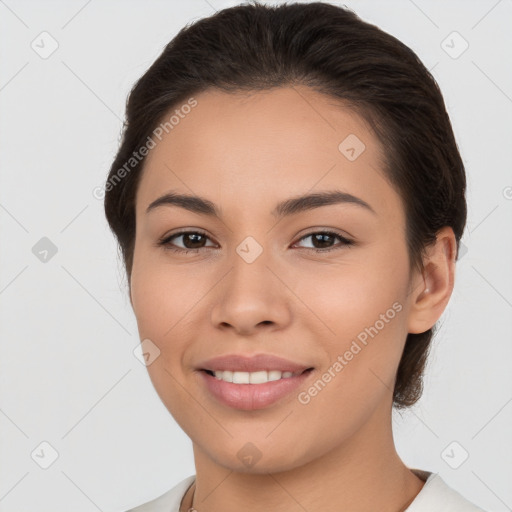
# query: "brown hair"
254, 47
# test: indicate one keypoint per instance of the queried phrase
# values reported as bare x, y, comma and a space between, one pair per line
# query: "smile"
259, 377
252, 390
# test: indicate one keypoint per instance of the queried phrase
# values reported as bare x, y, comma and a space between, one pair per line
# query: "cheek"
346, 298
160, 295
360, 311
160, 310
150, 302
166, 301
362, 358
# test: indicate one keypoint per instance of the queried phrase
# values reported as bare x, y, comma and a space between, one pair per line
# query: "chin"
278, 463
257, 456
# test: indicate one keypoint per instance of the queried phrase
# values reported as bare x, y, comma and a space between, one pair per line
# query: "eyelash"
165, 241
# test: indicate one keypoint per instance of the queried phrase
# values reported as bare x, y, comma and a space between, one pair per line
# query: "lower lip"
252, 396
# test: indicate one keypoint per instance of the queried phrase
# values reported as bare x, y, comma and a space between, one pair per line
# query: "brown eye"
322, 241
191, 240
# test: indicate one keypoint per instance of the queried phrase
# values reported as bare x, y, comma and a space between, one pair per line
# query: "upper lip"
259, 362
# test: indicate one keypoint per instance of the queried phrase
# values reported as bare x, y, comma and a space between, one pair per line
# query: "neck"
362, 474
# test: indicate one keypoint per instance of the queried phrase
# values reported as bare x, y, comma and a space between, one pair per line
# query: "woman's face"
262, 279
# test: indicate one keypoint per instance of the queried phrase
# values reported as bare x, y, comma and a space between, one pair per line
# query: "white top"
435, 496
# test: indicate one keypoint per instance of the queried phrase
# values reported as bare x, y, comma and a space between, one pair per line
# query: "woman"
289, 200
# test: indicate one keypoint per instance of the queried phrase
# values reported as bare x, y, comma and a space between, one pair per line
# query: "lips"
252, 382
259, 362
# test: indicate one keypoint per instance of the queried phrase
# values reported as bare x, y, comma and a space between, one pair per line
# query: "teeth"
253, 377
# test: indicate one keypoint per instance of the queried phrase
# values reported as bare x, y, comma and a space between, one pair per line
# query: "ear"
432, 290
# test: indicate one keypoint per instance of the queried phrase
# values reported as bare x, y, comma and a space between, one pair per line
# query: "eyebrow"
285, 208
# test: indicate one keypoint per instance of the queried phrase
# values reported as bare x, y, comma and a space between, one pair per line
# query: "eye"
193, 241
324, 240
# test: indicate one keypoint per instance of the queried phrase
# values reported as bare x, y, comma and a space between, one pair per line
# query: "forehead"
256, 148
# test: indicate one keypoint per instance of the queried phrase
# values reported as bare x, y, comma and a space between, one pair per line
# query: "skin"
246, 153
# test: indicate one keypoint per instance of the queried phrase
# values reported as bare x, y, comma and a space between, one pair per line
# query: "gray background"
68, 373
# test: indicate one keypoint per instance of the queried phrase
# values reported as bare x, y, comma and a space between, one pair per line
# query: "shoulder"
437, 495
168, 502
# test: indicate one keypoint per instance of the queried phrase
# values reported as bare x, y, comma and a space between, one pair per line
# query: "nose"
251, 298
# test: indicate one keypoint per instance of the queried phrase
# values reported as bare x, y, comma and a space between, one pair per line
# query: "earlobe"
435, 286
